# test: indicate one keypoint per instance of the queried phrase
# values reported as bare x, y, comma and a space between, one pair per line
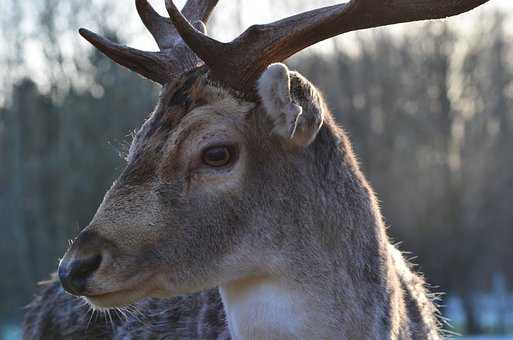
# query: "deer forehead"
191, 108
223, 119
204, 115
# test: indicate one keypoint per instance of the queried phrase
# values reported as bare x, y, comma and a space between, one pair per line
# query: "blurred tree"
59, 160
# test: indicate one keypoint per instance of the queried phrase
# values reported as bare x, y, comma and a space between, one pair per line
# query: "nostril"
74, 275
85, 267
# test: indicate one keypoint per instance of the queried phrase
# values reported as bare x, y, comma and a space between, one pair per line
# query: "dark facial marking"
139, 171
182, 97
185, 95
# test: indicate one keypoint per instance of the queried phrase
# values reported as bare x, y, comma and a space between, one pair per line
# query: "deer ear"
295, 118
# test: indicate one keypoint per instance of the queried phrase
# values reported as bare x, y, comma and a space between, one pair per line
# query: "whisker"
134, 313
110, 318
120, 311
92, 311
84, 303
104, 316
95, 316
129, 315
139, 312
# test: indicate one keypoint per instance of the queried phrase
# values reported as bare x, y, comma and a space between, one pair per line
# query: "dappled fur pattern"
326, 232
57, 315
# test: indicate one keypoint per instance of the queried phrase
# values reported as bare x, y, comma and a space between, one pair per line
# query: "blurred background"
428, 106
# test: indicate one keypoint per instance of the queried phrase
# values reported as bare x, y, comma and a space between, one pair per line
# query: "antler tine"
162, 29
174, 58
148, 64
240, 62
199, 10
205, 47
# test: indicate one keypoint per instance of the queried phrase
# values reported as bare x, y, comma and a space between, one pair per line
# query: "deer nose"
74, 274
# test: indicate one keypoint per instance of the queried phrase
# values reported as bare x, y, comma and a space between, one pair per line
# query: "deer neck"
335, 285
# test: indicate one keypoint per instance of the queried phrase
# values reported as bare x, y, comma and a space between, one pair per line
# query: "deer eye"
218, 156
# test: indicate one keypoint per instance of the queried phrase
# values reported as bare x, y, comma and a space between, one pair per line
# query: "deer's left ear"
293, 104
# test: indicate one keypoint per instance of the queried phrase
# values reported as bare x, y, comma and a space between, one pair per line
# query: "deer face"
206, 195
194, 205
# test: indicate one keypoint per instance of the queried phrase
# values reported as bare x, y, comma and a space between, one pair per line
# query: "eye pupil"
217, 156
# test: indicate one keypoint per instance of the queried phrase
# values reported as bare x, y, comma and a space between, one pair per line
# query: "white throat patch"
265, 308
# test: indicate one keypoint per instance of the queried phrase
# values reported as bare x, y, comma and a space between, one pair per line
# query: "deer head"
240, 170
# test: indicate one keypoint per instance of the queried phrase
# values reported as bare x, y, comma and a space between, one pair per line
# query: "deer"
242, 212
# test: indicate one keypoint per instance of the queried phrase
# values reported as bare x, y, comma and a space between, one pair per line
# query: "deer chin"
123, 296
115, 299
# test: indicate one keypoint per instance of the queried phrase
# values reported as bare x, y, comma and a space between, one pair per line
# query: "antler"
174, 57
240, 62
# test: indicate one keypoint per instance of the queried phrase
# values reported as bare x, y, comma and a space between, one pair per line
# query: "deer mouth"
121, 296
116, 298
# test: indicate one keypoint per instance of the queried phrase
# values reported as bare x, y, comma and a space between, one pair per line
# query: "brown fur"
299, 212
